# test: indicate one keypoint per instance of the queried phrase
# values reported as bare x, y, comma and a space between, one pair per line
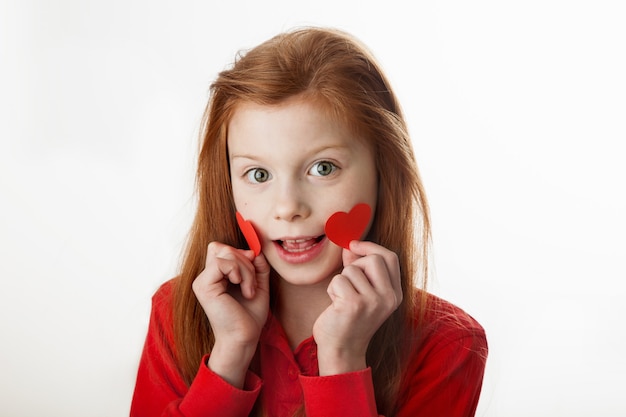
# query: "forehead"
305, 110
301, 116
298, 121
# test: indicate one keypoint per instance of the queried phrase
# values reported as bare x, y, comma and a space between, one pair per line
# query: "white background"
517, 111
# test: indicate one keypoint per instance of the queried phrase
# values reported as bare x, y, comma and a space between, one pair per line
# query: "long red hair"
336, 70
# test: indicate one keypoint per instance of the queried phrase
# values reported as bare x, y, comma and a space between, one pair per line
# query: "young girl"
302, 127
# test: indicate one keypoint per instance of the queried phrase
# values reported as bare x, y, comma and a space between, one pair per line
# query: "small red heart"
342, 228
249, 233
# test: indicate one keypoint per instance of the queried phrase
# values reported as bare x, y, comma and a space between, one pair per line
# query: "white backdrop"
517, 111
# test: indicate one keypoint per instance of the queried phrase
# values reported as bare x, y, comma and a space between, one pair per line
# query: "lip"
303, 249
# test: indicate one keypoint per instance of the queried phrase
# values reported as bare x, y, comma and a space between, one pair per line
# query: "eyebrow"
340, 148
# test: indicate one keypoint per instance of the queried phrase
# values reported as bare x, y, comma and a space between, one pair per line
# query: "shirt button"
292, 373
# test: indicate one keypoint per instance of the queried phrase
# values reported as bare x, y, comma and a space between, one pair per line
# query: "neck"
298, 307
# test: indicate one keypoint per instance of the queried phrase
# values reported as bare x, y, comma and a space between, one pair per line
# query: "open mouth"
300, 245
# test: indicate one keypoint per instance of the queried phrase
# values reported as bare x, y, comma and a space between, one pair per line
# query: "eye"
322, 169
258, 175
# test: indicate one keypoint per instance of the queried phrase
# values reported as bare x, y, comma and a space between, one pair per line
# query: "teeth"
298, 245
298, 250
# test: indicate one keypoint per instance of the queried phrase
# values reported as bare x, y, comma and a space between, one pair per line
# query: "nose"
290, 202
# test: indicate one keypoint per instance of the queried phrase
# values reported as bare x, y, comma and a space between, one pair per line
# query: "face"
292, 167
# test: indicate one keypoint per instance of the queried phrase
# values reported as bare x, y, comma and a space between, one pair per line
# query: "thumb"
262, 269
348, 257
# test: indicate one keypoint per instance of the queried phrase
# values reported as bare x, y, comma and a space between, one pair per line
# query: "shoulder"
445, 371
163, 300
164, 293
444, 323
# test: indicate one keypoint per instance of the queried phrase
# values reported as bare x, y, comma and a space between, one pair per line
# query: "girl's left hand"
363, 296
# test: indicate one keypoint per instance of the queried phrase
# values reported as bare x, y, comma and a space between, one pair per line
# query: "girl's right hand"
233, 290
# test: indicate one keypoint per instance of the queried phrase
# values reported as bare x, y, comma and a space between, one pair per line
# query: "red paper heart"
249, 233
342, 228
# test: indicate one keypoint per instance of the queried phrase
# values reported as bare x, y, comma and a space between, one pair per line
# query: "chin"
311, 273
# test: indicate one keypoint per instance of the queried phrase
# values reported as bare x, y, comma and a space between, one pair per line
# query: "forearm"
208, 395
231, 363
334, 361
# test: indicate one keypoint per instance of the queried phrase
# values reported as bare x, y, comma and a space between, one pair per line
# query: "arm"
444, 379
161, 391
362, 297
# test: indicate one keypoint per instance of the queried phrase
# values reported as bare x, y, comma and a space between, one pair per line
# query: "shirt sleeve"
357, 398
160, 390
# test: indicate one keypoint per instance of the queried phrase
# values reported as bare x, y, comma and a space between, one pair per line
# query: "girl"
303, 126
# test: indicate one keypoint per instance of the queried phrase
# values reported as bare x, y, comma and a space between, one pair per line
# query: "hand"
233, 290
363, 296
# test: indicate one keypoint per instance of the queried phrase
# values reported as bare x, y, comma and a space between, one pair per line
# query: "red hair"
335, 70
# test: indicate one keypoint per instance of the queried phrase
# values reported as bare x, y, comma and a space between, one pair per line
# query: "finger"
259, 280
348, 257
262, 269
220, 250
385, 283
233, 264
258, 276
365, 249
249, 254
250, 281
375, 268
213, 281
233, 270
359, 280
341, 288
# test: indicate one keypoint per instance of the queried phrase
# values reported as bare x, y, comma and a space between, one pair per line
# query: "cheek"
365, 179
369, 190
235, 191
251, 208
240, 197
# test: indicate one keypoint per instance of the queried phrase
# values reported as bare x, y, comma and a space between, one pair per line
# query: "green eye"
258, 175
323, 168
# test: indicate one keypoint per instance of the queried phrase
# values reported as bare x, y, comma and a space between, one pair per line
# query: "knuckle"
198, 285
214, 247
358, 306
392, 304
391, 258
376, 258
349, 270
388, 302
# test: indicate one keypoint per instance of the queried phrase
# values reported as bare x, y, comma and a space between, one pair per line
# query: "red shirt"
445, 376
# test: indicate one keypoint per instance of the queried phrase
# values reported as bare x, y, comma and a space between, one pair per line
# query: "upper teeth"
298, 245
